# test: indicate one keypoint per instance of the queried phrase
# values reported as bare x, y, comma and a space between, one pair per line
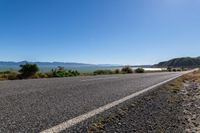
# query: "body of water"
83, 69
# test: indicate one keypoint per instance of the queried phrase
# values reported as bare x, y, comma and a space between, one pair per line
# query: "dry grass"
194, 76
9, 75
177, 84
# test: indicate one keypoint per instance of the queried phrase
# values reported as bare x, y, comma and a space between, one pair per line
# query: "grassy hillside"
186, 62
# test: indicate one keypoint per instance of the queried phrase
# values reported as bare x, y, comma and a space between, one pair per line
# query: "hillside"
187, 62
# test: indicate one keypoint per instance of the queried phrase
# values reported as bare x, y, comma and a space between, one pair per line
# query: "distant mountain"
47, 66
187, 62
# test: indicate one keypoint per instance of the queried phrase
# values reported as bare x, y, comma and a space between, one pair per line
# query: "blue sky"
99, 31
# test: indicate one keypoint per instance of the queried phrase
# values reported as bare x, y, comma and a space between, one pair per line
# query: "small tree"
174, 70
59, 72
27, 70
127, 69
116, 71
169, 69
102, 72
139, 70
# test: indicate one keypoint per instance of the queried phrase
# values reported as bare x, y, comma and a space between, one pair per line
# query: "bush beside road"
31, 71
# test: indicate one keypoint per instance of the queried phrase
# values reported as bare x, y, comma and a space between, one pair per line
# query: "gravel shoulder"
172, 108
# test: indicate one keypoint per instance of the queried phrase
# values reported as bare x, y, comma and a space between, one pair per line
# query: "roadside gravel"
158, 111
172, 108
191, 104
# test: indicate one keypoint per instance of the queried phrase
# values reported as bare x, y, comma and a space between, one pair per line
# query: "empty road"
39, 104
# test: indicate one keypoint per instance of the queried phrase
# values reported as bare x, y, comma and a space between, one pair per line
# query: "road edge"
74, 121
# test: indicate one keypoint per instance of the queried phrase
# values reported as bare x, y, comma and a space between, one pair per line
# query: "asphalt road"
38, 104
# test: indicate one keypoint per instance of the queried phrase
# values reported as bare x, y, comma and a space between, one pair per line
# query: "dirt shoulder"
173, 108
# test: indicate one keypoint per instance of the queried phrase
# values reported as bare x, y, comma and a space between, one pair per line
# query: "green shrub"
58, 73
70, 73
139, 70
116, 71
169, 69
127, 69
28, 70
61, 72
40, 75
102, 72
174, 70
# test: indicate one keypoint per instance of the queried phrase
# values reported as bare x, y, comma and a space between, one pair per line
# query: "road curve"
38, 104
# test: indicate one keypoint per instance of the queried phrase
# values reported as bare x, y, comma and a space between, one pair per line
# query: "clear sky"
99, 31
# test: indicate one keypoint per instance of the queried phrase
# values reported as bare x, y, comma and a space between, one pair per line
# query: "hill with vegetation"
186, 62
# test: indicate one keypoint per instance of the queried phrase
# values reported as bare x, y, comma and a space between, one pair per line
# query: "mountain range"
46, 66
187, 62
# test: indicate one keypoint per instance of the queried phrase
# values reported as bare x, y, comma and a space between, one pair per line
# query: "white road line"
69, 123
99, 79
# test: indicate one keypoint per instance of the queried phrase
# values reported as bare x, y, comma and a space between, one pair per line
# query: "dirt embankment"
172, 108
